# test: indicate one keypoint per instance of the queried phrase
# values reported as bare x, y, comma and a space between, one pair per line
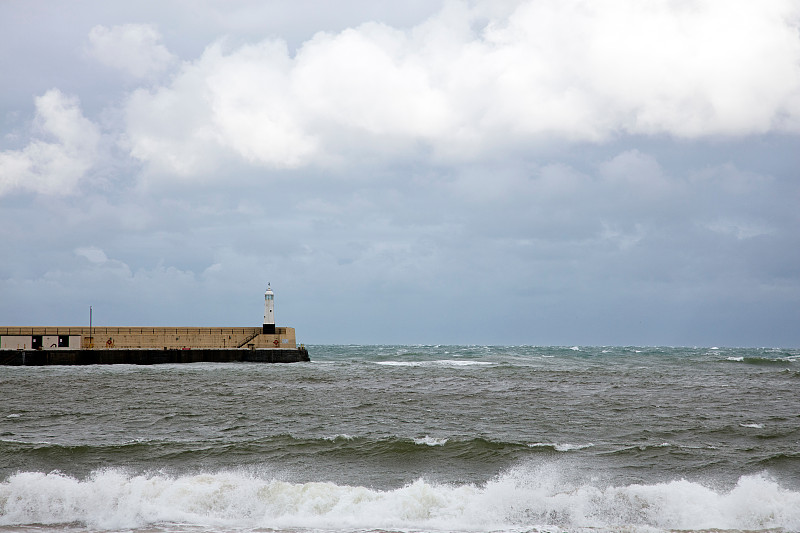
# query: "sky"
547, 172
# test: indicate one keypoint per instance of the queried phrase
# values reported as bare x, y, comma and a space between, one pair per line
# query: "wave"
560, 447
440, 363
431, 441
763, 361
279, 448
285, 444
522, 499
752, 425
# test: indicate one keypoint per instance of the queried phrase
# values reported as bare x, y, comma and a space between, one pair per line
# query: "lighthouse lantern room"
269, 311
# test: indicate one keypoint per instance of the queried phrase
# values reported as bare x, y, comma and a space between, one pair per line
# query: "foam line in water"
566, 447
440, 363
523, 499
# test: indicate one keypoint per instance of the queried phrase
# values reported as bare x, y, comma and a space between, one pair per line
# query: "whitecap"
560, 447
754, 426
737, 359
341, 436
431, 441
451, 362
13, 415
571, 447
441, 362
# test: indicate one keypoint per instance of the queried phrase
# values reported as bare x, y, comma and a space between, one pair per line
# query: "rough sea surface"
409, 438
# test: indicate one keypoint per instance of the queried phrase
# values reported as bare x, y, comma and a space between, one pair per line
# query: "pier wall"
45, 357
131, 338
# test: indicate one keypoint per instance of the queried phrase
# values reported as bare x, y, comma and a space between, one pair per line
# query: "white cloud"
371, 79
253, 110
93, 254
474, 78
624, 240
55, 165
132, 48
637, 174
739, 228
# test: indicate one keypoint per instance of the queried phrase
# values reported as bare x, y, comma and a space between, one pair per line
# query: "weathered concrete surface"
116, 338
149, 357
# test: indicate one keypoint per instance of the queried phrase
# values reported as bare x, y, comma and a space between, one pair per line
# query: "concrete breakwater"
146, 346
45, 357
37, 346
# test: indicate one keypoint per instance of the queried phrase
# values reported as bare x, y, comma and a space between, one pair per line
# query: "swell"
426, 453
283, 450
473, 448
763, 361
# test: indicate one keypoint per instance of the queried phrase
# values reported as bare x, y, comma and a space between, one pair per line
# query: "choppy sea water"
409, 438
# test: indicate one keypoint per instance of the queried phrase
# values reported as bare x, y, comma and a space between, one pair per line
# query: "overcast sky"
503, 172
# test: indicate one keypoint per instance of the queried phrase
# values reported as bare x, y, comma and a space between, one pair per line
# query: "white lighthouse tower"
269, 311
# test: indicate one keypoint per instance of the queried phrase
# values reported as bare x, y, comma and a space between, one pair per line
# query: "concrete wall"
152, 338
50, 342
15, 342
148, 357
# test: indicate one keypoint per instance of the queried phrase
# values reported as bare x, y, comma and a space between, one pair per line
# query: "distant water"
409, 438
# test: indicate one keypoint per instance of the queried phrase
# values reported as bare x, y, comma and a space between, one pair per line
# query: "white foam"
441, 362
13, 415
523, 499
571, 447
754, 426
451, 362
430, 441
560, 447
738, 359
340, 436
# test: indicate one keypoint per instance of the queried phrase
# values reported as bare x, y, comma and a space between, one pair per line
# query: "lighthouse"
269, 312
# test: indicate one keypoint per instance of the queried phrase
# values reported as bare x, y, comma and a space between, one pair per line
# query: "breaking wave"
527, 499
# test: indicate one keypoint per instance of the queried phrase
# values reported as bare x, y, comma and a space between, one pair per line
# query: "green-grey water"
408, 438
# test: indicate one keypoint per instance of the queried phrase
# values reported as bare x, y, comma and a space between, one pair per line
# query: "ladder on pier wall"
251, 337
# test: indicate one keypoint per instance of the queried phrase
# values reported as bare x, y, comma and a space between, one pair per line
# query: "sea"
409, 439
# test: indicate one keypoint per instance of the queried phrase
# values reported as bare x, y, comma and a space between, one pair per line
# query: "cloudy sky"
501, 172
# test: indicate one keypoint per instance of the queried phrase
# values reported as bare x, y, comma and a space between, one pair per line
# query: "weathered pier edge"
39, 346
117, 356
